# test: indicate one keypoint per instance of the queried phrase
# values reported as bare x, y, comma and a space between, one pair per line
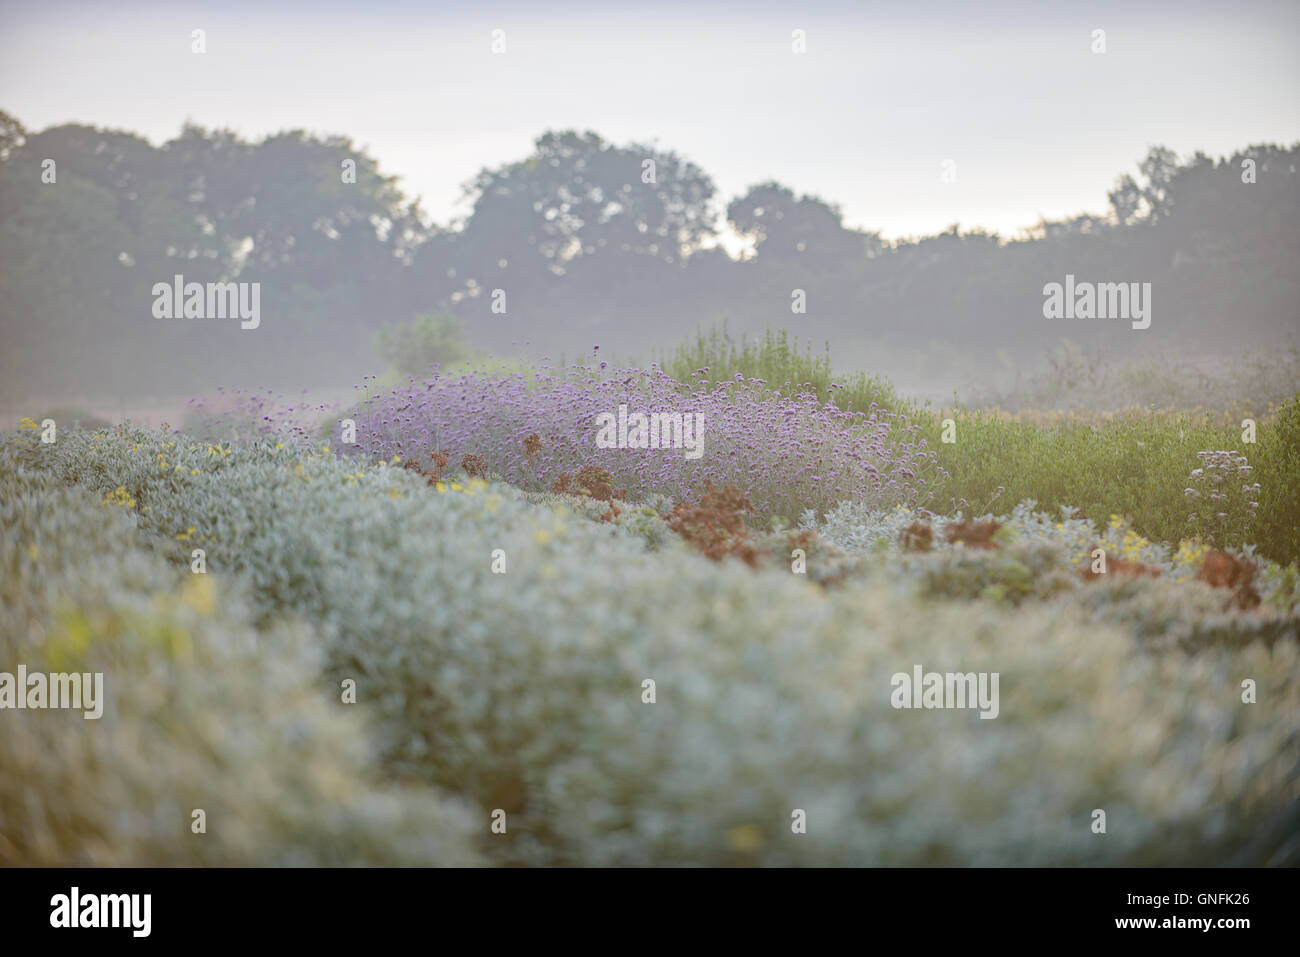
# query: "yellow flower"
440, 487
64, 648
27, 423
119, 496
200, 594
746, 837
185, 535
542, 536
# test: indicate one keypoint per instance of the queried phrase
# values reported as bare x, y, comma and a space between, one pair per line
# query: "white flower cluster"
1221, 493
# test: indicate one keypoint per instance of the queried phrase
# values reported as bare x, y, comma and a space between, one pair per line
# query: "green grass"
1135, 465
777, 359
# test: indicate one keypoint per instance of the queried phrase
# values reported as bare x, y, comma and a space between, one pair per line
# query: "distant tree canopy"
580, 196
804, 230
587, 241
415, 347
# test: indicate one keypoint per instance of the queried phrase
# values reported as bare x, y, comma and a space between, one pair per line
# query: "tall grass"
716, 356
1249, 384
1137, 465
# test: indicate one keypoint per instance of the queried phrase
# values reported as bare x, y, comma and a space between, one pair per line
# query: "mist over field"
598, 228
584, 252
704, 434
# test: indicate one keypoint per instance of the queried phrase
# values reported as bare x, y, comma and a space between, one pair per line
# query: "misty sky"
1036, 123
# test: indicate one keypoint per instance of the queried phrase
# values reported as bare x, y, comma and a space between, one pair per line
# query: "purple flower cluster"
786, 451
236, 415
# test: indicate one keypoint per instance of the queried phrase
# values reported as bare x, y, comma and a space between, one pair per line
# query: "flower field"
395, 643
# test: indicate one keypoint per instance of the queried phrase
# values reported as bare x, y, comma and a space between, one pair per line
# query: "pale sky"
1036, 123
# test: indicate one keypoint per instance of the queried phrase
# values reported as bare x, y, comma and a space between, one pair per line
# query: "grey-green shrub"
202, 711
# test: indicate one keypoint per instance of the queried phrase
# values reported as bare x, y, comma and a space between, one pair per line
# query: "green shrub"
412, 348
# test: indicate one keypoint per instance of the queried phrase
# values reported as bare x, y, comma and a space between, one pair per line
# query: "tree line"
582, 241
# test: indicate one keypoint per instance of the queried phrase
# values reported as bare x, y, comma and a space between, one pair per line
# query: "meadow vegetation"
500, 592
1132, 460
